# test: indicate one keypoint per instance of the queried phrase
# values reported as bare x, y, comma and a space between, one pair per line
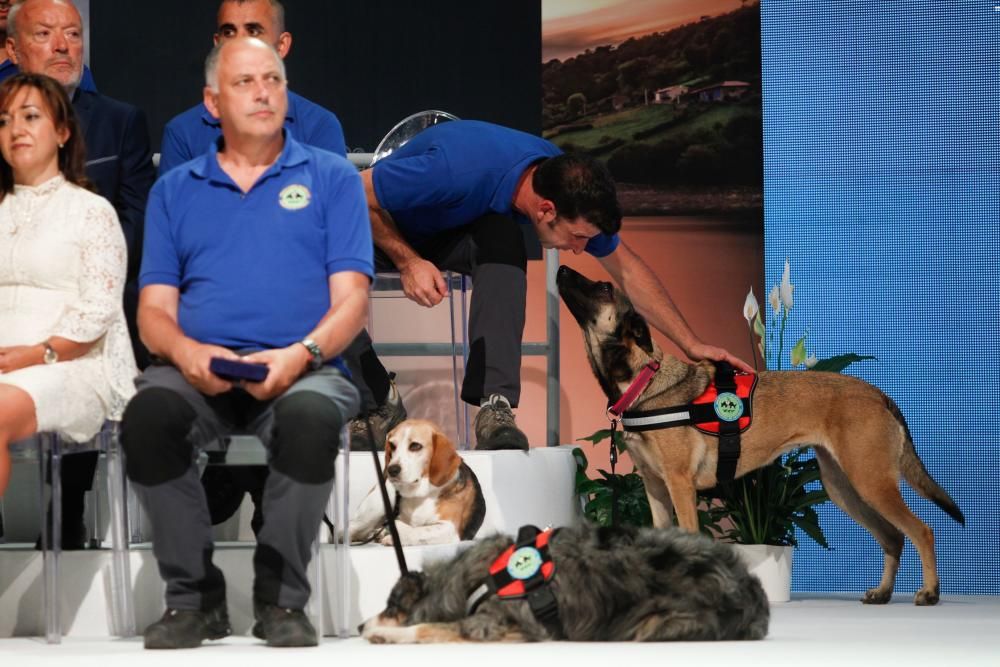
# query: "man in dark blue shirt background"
190, 133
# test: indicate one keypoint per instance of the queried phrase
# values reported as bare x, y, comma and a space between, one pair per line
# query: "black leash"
614, 487
389, 514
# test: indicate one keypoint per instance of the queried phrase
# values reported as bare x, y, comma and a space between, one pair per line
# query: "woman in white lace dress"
66, 364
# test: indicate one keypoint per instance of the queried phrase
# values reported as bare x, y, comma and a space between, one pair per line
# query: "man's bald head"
46, 37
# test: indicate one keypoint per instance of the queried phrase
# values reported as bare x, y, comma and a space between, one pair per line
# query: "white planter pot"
772, 565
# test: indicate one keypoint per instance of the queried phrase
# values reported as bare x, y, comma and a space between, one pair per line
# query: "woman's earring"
60, 146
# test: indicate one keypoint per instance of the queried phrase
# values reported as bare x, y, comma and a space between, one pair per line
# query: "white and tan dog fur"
437, 496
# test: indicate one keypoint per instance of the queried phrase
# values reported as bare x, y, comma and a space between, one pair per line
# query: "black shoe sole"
211, 634
289, 642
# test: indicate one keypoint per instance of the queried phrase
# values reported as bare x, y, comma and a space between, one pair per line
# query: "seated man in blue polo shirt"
453, 197
259, 250
190, 133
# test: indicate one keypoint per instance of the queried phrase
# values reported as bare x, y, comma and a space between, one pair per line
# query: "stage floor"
812, 629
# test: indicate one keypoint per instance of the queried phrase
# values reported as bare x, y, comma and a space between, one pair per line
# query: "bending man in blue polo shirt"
189, 134
259, 248
453, 197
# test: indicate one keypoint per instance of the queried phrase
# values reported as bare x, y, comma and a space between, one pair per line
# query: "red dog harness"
524, 570
723, 410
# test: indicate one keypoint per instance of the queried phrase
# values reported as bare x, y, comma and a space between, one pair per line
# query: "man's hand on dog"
701, 351
423, 282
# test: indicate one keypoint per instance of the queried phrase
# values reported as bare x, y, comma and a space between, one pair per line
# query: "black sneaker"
187, 628
282, 627
384, 418
495, 427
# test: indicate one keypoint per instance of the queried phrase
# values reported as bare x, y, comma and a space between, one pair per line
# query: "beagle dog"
437, 496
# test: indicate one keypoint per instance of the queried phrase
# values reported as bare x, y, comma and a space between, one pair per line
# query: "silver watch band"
317, 353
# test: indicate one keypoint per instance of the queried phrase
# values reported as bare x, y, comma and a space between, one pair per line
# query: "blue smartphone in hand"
234, 371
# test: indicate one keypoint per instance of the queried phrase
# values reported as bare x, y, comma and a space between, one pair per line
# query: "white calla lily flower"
775, 300
750, 307
786, 289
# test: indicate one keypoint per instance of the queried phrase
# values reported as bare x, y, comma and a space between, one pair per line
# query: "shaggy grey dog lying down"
619, 584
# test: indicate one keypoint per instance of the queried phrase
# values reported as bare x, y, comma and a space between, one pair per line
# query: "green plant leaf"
596, 437
798, 354
839, 362
810, 526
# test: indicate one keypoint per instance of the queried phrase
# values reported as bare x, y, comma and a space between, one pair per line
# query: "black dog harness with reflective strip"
524, 570
723, 410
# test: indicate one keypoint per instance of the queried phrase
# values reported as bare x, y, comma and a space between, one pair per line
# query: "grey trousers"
491, 251
295, 496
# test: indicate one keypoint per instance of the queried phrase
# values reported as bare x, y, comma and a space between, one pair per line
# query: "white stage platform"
812, 629
534, 487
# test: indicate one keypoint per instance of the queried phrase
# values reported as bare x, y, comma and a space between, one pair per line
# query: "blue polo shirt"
9, 69
252, 268
190, 133
453, 173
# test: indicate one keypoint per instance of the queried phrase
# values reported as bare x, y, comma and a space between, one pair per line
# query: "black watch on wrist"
317, 360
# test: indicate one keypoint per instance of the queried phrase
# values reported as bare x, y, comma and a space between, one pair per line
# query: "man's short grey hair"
12, 13
276, 7
212, 62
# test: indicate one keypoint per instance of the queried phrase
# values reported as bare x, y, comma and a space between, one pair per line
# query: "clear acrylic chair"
48, 449
389, 285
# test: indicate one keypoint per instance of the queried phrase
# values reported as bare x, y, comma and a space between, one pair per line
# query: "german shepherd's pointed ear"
636, 327
444, 461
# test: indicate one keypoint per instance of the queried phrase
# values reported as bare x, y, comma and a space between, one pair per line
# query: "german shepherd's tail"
916, 474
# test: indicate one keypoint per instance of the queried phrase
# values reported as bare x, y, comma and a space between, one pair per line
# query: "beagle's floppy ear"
444, 460
388, 453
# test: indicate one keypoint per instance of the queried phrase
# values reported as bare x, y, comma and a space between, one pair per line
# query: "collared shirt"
252, 267
190, 133
9, 69
453, 173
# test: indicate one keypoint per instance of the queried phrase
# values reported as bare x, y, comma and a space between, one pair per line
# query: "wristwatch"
50, 356
317, 360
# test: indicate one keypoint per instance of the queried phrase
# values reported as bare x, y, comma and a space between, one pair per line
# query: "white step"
519, 488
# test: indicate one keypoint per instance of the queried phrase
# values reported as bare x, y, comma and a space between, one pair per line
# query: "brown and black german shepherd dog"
859, 435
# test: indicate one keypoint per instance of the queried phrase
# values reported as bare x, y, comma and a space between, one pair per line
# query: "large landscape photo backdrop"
666, 92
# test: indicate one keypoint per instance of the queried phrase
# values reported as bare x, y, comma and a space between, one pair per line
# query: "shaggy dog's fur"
611, 585
860, 438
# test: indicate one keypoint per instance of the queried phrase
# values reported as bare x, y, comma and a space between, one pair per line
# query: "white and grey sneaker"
495, 426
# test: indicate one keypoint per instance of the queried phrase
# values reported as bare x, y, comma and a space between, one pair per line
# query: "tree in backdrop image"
666, 92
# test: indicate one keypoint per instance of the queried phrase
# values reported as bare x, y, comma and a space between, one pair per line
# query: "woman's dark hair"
580, 187
72, 155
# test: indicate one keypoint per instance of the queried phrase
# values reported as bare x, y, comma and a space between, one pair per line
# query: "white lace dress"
62, 271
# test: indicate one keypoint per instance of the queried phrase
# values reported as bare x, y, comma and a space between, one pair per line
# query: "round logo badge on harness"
728, 406
524, 563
